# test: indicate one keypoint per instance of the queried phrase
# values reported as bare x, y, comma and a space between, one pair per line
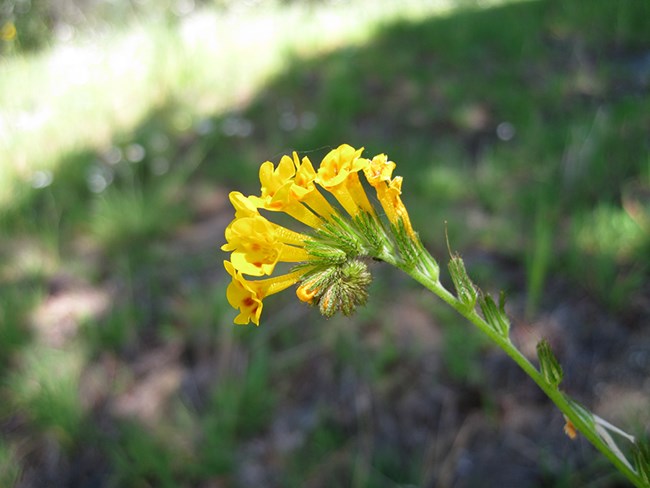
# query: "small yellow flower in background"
325, 258
8, 31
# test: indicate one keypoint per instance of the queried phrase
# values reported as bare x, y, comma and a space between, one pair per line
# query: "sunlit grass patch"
607, 253
610, 231
78, 95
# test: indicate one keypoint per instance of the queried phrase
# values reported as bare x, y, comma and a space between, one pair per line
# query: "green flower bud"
337, 288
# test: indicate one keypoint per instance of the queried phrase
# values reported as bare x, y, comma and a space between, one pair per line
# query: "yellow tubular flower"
258, 245
304, 189
276, 192
244, 206
246, 296
379, 170
338, 175
378, 173
273, 178
284, 201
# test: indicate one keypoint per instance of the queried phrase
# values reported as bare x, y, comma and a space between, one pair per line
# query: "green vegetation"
521, 125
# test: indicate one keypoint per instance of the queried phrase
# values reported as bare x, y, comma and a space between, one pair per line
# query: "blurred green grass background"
521, 129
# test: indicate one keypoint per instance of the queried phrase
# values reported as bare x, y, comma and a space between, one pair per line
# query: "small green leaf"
549, 364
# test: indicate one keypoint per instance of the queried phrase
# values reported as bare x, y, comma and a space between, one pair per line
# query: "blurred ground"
524, 126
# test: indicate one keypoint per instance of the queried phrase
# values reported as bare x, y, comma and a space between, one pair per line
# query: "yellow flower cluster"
257, 244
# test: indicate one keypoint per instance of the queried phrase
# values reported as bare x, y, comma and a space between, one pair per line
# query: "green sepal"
585, 415
370, 228
319, 278
324, 253
495, 316
548, 363
465, 289
413, 253
408, 251
337, 234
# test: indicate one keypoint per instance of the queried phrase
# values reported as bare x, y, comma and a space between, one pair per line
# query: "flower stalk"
582, 420
328, 267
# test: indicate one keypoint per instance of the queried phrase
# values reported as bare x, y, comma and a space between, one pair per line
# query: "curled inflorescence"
327, 259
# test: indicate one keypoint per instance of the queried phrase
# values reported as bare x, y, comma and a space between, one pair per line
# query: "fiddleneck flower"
277, 195
244, 207
330, 267
338, 175
327, 259
246, 296
304, 189
379, 172
257, 245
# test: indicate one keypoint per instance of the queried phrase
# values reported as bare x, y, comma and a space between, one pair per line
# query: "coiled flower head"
328, 259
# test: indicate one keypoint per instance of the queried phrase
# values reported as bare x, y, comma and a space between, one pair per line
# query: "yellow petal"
244, 206
337, 165
391, 202
305, 293
379, 170
246, 296
257, 245
338, 174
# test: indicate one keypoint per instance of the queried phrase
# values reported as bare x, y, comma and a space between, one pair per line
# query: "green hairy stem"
496, 326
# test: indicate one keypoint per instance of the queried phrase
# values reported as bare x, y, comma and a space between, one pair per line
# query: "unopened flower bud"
337, 288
